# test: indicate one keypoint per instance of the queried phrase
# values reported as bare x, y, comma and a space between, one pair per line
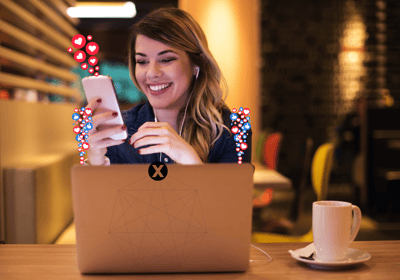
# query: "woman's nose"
154, 70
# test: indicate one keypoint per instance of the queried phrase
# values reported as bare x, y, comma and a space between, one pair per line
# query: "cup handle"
356, 222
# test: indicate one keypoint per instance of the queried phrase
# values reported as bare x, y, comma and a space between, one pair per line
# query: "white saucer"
354, 256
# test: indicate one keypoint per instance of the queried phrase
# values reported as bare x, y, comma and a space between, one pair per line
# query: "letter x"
158, 171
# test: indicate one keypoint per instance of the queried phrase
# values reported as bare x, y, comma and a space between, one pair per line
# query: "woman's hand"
100, 134
164, 140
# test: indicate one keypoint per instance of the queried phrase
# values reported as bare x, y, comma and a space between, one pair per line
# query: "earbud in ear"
197, 72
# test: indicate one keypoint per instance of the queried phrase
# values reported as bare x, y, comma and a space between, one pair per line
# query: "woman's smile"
158, 89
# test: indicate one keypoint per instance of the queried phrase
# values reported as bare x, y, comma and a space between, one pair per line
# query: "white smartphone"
103, 87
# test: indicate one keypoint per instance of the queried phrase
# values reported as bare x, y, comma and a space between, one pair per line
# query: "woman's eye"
167, 60
140, 62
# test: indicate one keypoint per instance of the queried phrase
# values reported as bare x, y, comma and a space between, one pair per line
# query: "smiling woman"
185, 120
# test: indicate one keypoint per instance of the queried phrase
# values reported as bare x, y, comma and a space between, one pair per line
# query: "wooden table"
55, 262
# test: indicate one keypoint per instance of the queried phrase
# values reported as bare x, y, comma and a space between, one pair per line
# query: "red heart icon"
85, 146
96, 74
243, 146
88, 111
78, 41
237, 149
89, 37
91, 70
80, 149
239, 161
235, 129
92, 48
77, 129
239, 158
80, 56
84, 66
97, 68
93, 60
70, 50
246, 111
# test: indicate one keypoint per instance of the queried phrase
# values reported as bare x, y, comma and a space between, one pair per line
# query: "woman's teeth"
159, 87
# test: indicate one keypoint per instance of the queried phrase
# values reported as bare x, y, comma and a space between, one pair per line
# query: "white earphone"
197, 72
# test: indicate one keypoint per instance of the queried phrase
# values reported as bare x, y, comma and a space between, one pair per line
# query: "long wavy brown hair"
176, 28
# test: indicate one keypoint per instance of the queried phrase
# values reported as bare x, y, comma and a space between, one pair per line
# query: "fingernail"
115, 114
138, 151
123, 127
123, 140
99, 100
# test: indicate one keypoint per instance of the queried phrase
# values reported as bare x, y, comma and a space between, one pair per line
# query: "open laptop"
197, 218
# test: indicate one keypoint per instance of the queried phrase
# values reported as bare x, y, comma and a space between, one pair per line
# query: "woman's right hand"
100, 134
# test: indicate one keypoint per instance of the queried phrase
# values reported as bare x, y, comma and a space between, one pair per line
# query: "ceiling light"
102, 10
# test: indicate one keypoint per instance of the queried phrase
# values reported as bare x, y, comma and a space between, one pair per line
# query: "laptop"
147, 218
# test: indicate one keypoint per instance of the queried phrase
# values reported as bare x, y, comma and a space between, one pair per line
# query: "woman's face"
163, 73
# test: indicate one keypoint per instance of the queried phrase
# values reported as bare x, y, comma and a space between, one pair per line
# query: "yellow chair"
320, 172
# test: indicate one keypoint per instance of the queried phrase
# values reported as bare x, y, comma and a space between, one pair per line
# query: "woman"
185, 119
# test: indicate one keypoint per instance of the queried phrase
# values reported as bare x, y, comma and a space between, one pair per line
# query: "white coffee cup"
333, 230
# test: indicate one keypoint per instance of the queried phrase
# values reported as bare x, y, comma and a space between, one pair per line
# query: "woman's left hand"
164, 139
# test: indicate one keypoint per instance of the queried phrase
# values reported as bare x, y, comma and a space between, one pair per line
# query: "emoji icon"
243, 146
91, 70
93, 60
246, 111
70, 50
97, 68
75, 116
234, 116
78, 41
235, 129
84, 66
89, 37
89, 126
92, 48
77, 129
80, 56
96, 74
85, 146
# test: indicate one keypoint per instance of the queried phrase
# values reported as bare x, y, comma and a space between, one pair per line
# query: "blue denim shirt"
223, 151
